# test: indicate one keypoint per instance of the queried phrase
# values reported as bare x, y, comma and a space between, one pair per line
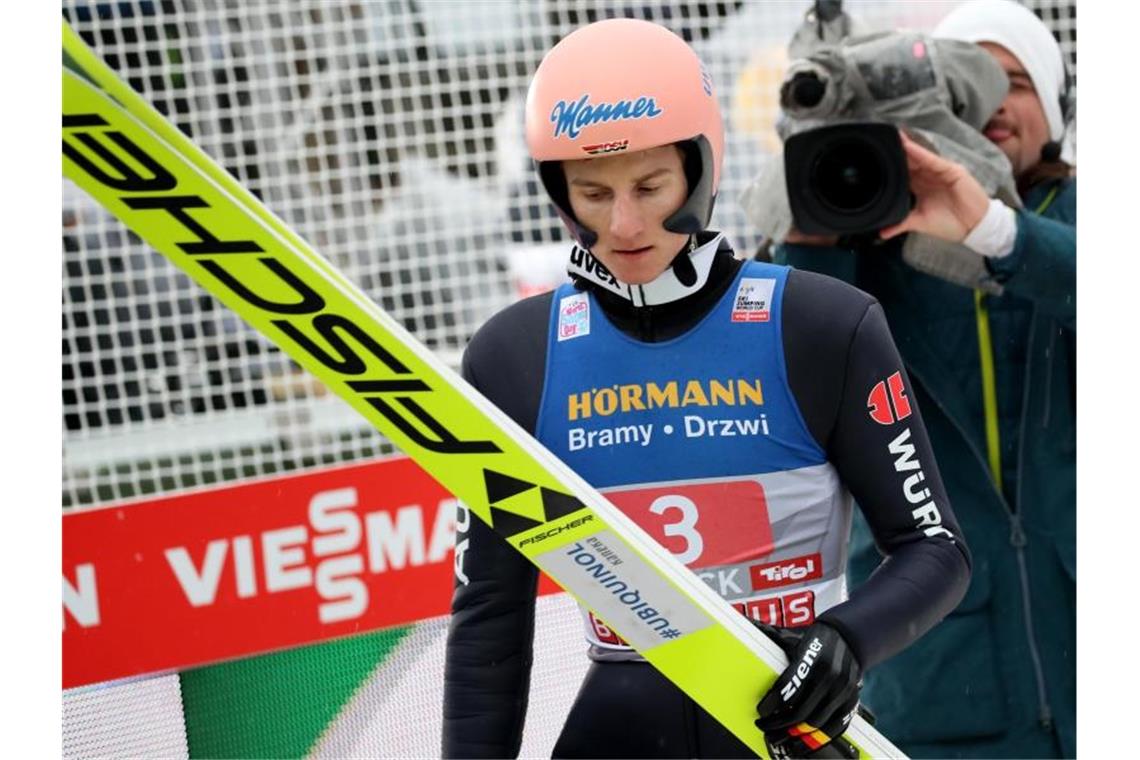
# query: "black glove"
815, 698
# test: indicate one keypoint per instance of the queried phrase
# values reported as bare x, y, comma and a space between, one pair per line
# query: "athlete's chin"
634, 268
639, 277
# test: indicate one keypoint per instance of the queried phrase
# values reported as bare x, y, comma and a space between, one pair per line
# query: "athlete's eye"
595, 196
648, 190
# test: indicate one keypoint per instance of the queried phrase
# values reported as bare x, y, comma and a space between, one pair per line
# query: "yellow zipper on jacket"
989, 382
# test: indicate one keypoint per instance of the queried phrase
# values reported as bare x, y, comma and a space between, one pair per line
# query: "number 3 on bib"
685, 528
704, 523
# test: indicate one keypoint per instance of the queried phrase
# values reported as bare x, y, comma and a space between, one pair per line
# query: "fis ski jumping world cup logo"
571, 116
753, 300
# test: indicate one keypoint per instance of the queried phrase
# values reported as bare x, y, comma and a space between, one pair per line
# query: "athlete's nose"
626, 220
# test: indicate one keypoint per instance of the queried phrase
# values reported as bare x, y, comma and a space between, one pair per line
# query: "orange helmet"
625, 85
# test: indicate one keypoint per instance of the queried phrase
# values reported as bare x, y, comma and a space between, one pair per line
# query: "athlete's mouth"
633, 251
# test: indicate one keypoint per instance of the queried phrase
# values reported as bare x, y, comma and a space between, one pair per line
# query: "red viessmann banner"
168, 583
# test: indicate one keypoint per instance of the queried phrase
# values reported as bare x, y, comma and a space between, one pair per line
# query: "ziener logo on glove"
802, 670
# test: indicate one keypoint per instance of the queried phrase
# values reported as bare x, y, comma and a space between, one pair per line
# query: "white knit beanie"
1018, 30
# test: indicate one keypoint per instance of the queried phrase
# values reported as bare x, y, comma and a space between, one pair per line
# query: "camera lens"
848, 177
806, 89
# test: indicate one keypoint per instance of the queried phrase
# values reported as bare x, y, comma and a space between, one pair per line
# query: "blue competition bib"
714, 401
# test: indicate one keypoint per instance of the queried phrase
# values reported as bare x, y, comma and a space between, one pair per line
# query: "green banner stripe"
278, 705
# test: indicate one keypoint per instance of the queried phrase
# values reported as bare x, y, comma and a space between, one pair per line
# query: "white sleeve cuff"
994, 236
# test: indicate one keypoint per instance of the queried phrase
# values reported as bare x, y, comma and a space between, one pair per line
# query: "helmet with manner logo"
625, 85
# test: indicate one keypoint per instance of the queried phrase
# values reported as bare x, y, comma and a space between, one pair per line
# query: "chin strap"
686, 275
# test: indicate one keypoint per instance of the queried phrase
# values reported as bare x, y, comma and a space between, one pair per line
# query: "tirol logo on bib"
753, 300
573, 316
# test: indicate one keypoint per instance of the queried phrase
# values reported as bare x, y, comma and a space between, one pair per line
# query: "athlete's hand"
814, 699
948, 203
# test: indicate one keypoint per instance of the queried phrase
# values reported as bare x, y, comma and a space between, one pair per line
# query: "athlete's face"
625, 199
1019, 127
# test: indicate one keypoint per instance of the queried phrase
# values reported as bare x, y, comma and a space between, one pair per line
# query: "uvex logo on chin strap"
517, 505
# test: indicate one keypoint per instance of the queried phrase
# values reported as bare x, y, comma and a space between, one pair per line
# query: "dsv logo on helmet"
606, 147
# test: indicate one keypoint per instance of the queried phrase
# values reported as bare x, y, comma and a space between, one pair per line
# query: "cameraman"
996, 379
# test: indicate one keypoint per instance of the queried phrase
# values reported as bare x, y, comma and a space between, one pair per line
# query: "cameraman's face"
1019, 127
625, 199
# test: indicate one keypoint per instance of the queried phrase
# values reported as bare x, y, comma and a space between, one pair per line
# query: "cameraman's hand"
949, 202
814, 699
796, 237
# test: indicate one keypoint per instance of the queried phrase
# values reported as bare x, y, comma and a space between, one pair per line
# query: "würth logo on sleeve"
888, 403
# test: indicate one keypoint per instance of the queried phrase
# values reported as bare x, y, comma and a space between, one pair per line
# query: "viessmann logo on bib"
753, 300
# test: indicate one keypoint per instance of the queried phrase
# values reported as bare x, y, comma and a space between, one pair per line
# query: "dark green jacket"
997, 678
